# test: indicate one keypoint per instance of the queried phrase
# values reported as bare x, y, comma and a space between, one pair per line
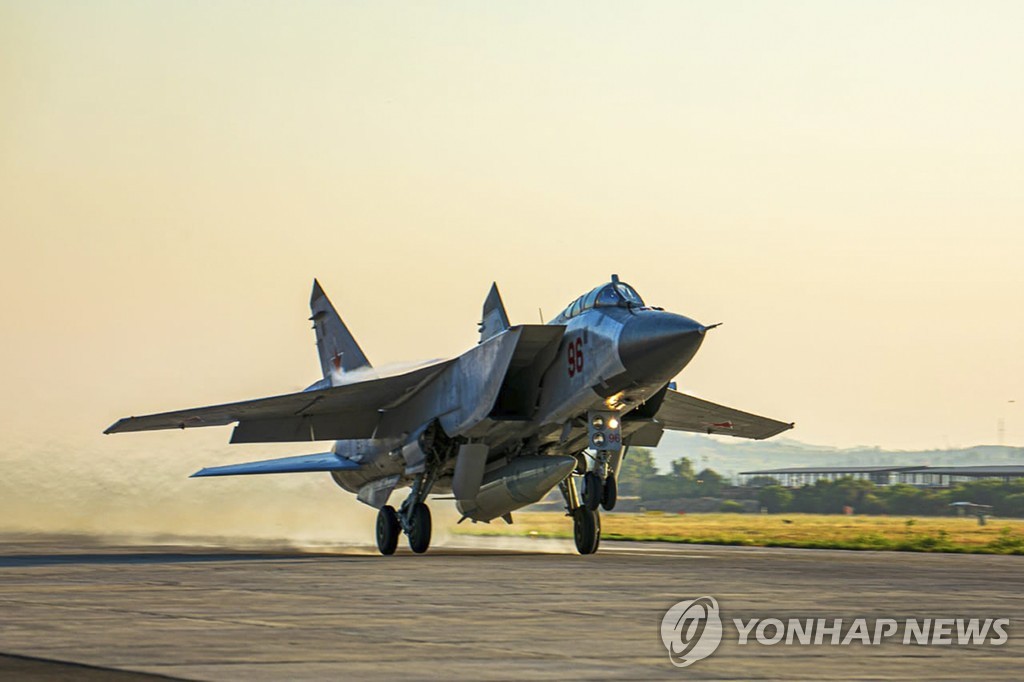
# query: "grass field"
818, 531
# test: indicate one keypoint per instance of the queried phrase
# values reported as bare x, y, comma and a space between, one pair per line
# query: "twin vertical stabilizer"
338, 351
495, 319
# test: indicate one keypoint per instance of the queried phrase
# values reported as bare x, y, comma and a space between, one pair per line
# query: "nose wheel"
611, 492
593, 490
598, 493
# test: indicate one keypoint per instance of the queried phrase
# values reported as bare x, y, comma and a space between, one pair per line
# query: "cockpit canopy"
614, 294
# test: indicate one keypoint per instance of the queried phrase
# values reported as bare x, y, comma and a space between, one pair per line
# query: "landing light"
598, 423
614, 401
598, 439
613, 423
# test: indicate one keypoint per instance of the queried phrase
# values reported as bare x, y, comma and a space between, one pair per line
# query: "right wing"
681, 412
336, 413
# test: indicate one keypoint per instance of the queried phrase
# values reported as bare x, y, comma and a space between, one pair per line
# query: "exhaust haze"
131, 496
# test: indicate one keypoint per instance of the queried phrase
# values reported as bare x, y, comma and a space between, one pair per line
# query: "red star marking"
336, 360
723, 425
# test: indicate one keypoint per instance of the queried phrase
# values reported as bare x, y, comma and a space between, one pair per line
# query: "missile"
522, 481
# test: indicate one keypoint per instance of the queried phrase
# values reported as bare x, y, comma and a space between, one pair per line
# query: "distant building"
947, 476
922, 476
794, 477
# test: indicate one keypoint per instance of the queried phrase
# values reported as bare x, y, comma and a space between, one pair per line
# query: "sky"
840, 183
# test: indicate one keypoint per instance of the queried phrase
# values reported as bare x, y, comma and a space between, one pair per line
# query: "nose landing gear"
593, 490
610, 492
600, 486
600, 491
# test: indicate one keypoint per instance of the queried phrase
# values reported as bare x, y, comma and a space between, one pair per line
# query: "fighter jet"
529, 408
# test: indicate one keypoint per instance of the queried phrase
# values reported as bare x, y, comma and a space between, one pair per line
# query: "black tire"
586, 530
611, 493
419, 528
592, 490
388, 530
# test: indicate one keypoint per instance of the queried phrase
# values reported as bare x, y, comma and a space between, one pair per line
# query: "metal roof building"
946, 476
794, 477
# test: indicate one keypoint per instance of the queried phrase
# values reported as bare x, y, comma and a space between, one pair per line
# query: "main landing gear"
413, 519
419, 528
388, 530
586, 530
586, 522
600, 490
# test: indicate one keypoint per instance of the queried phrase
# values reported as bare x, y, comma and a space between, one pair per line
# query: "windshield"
614, 294
608, 296
629, 294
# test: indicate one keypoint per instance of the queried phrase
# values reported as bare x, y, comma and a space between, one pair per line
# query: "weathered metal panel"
469, 470
567, 388
376, 493
460, 396
306, 428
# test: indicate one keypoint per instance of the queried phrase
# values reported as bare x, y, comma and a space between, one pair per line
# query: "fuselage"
615, 354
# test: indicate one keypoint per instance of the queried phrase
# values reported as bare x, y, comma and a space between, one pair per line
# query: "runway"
480, 611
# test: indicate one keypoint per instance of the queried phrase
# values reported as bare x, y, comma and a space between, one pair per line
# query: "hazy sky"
841, 184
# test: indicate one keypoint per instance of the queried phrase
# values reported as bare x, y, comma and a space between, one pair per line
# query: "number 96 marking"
575, 357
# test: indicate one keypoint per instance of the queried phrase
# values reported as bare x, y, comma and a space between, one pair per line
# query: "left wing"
336, 413
680, 412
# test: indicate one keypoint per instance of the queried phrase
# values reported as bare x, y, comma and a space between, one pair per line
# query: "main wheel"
419, 528
592, 489
388, 530
611, 493
586, 530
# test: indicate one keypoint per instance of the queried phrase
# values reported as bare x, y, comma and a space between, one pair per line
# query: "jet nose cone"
657, 345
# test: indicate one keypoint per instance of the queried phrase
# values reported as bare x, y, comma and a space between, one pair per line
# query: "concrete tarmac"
76, 608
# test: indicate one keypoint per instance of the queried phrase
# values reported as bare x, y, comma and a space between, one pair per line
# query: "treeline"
639, 477
831, 497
